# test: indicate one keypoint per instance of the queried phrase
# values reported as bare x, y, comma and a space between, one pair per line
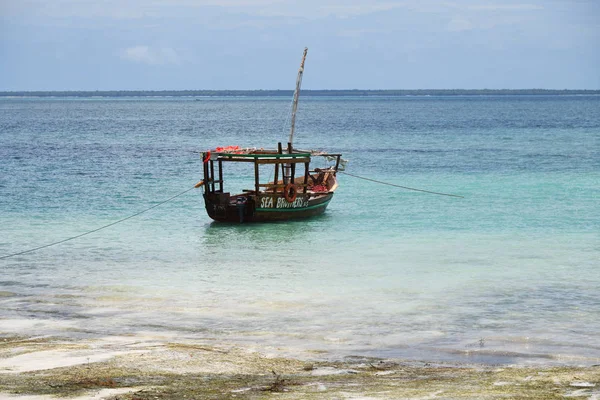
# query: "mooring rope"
98, 229
398, 186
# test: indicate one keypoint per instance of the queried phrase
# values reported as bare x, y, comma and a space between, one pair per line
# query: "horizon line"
242, 92
288, 89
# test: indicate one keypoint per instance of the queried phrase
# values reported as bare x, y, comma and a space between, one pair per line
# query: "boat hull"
265, 208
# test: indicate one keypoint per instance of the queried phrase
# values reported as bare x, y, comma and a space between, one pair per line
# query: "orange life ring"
290, 192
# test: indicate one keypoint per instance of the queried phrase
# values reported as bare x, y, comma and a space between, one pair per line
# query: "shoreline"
156, 367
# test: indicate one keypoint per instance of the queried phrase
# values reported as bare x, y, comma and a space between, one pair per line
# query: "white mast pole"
296, 95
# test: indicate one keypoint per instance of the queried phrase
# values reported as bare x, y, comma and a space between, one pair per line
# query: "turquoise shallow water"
508, 274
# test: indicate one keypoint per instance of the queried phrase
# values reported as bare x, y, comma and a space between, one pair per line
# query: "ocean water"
509, 274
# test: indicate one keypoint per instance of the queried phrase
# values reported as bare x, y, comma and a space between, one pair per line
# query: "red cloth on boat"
319, 188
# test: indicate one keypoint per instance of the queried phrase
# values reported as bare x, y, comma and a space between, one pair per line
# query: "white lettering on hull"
268, 202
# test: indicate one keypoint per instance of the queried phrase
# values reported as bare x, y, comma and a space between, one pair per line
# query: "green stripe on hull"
294, 209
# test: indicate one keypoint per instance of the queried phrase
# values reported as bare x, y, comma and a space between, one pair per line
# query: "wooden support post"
306, 177
206, 178
221, 176
284, 178
256, 180
212, 174
279, 150
291, 166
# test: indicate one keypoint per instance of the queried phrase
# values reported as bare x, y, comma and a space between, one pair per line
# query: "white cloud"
150, 55
78, 9
459, 24
347, 9
135, 9
355, 33
505, 7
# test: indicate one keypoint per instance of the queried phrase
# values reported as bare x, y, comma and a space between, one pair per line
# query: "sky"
258, 44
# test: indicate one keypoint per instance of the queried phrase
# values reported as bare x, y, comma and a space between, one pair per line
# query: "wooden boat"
301, 192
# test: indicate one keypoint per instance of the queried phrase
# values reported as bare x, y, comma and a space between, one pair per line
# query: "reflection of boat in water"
301, 192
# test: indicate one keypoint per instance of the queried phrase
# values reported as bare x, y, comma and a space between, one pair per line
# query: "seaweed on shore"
178, 371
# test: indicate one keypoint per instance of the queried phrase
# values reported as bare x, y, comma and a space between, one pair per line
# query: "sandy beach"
155, 367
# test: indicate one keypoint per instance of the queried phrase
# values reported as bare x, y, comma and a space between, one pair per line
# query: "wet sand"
157, 367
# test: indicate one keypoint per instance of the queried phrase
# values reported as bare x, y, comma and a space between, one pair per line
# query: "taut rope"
97, 229
402, 187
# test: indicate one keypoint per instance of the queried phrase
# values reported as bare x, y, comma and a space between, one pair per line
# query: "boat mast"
296, 95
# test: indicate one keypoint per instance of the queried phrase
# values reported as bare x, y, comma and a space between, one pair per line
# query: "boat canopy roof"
264, 155
250, 154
